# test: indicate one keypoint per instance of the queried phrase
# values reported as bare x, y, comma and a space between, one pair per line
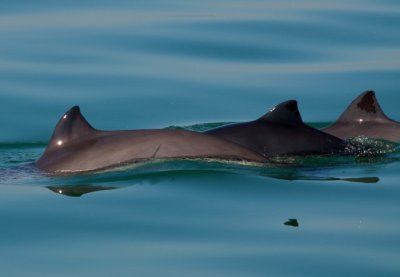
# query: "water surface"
155, 64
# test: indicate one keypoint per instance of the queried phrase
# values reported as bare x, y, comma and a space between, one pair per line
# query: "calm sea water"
154, 64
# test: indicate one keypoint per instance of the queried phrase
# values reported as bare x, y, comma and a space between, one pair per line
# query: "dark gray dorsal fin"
285, 113
364, 108
70, 127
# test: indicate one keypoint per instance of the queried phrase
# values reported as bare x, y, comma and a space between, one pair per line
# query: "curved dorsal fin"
364, 108
286, 113
71, 126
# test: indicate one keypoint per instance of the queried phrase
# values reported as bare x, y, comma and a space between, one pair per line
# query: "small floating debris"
292, 222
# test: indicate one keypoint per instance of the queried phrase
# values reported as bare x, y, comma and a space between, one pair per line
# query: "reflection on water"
161, 171
77, 190
157, 177
319, 178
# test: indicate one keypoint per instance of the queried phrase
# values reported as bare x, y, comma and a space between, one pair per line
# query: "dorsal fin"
286, 113
364, 108
70, 127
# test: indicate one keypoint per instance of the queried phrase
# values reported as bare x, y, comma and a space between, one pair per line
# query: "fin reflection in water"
77, 190
155, 173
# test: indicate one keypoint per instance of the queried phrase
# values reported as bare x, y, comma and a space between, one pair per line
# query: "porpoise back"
76, 146
364, 117
280, 132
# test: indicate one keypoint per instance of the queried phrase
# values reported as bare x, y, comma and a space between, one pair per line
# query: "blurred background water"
153, 64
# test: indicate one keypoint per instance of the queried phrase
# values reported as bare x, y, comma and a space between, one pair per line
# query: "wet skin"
364, 117
77, 147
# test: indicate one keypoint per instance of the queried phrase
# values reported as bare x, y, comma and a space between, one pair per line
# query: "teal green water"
155, 64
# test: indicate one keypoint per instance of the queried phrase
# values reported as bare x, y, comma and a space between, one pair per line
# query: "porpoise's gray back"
76, 146
280, 132
364, 117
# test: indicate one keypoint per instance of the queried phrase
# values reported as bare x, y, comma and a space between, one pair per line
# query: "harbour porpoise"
364, 117
281, 131
76, 146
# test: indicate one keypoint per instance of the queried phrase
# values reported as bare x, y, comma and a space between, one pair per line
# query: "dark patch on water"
292, 222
